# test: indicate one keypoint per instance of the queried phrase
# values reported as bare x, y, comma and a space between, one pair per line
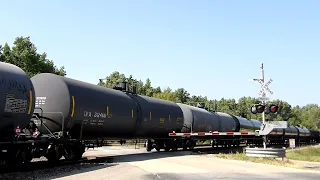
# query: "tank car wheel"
74, 151
184, 145
167, 146
54, 153
167, 149
174, 148
26, 157
53, 157
148, 145
158, 146
20, 156
190, 144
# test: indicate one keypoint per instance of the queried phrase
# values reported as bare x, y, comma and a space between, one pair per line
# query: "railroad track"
43, 164
96, 161
100, 161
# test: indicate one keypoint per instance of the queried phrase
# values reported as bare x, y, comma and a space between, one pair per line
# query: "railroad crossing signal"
257, 108
265, 87
260, 108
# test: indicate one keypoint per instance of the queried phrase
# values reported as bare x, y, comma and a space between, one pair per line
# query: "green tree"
24, 55
167, 94
182, 95
307, 116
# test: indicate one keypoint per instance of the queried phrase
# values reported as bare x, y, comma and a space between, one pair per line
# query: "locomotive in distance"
54, 116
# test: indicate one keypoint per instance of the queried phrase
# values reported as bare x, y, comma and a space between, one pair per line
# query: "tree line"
306, 116
24, 54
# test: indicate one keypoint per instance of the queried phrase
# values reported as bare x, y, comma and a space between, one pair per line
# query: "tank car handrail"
48, 129
40, 109
185, 125
36, 116
62, 116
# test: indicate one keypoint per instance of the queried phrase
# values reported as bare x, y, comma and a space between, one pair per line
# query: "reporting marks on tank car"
15, 105
40, 101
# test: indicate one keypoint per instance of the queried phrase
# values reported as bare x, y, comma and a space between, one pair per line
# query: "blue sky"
211, 48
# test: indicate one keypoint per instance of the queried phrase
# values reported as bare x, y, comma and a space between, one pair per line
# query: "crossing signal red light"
273, 108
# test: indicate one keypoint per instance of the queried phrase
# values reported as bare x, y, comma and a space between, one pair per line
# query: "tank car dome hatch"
134, 89
201, 105
123, 86
16, 98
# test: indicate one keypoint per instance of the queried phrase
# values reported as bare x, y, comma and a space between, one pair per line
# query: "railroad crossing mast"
262, 108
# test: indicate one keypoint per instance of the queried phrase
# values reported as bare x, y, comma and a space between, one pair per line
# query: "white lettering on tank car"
14, 105
40, 101
96, 114
86, 114
100, 115
93, 122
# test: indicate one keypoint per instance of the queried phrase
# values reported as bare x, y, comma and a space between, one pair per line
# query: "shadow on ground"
41, 170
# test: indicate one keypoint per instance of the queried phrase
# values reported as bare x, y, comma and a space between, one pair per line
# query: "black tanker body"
202, 120
244, 124
315, 134
257, 124
228, 123
103, 112
158, 117
16, 99
290, 132
198, 119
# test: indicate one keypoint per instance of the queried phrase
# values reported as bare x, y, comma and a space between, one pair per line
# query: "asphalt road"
134, 164
130, 164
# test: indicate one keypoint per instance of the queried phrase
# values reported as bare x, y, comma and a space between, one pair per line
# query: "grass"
302, 154
243, 157
305, 154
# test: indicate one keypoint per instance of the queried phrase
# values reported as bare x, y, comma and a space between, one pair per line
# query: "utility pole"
263, 98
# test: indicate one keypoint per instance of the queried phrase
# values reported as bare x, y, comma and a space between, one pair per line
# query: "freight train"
54, 116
